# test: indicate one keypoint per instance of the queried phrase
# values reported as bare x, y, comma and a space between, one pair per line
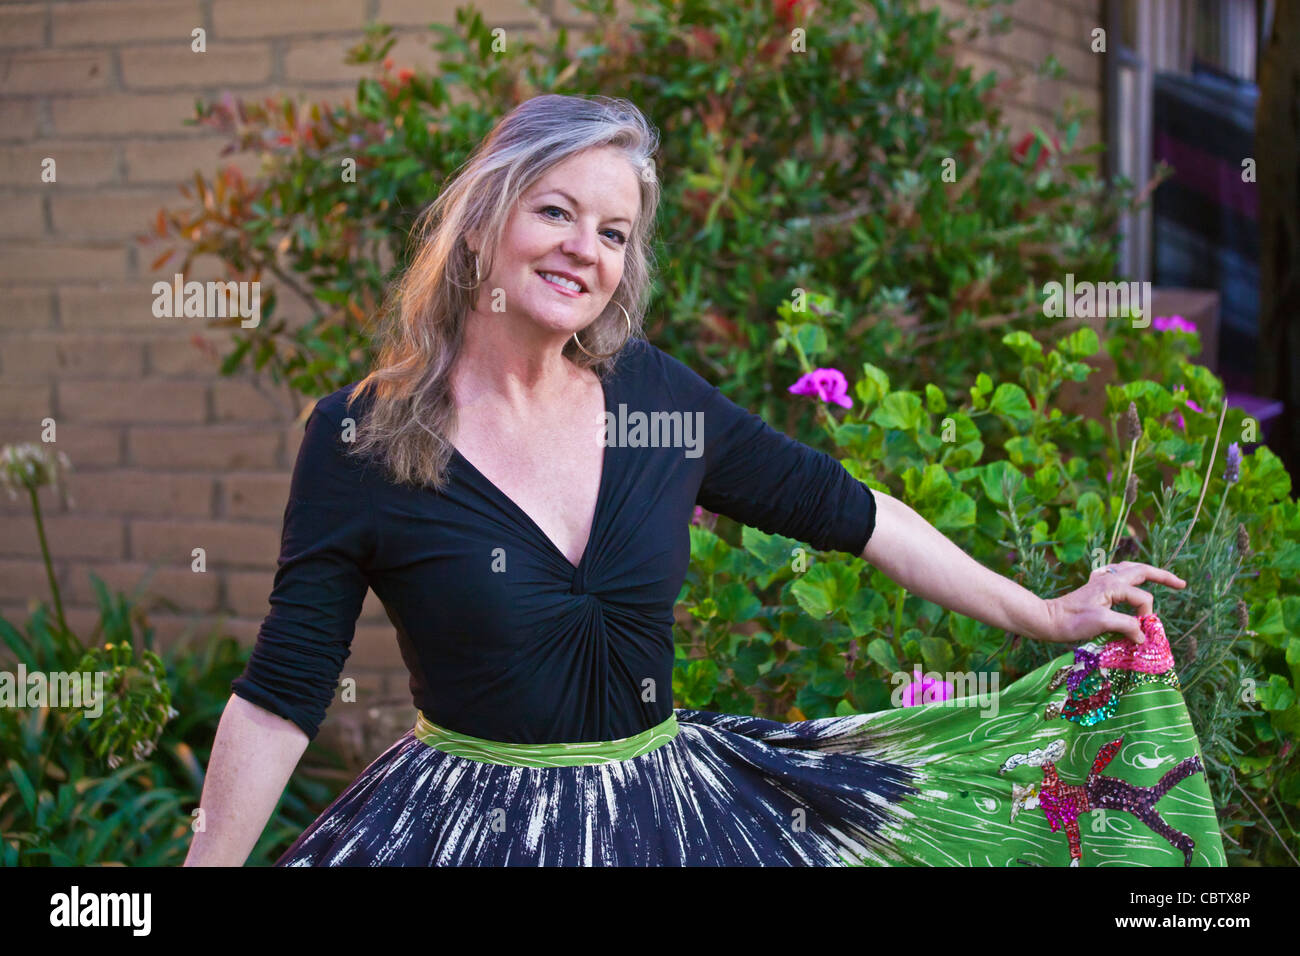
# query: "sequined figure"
1101, 675
1063, 803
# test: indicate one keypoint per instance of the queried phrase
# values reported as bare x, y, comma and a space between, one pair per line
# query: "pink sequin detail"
1152, 657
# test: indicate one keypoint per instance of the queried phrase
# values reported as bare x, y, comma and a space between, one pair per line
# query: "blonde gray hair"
422, 322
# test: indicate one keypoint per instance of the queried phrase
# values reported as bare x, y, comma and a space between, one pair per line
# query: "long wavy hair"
421, 325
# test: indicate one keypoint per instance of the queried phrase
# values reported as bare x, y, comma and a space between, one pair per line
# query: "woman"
489, 481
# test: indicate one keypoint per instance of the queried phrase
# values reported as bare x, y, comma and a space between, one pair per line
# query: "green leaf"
901, 411
937, 654
934, 399
873, 385
1011, 402
1081, 342
882, 652
811, 338
1027, 348
736, 602
825, 588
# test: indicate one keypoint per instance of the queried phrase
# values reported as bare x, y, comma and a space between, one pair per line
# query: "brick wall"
168, 455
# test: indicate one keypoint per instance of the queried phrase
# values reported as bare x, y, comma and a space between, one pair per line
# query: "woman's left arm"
913, 553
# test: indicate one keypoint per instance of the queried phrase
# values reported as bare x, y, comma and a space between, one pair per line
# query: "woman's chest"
551, 469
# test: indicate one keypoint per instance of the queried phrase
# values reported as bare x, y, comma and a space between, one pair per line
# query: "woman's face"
576, 220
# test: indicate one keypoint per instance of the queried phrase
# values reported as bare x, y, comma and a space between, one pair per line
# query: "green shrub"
774, 628
779, 176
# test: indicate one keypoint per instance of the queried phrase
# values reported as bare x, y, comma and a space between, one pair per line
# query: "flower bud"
1131, 492
1232, 470
1132, 424
1243, 540
1243, 614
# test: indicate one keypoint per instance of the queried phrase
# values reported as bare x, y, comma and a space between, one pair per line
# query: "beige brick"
121, 114
182, 356
23, 25
242, 629
226, 543
25, 310
36, 357
84, 621
146, 493
69, 536
75, 164
130, 21
189, 589
174, 161
30, 402
60, 261
134, 402
257, 18
255, 495
413, 52
18, 119
179, 67
21, 579
1056, 19
185, 630
85, 446
22, 214
102, 213
217, 447
54, 71
370, 685
375, 646
129, 304
242, 401
247, 592
323, 60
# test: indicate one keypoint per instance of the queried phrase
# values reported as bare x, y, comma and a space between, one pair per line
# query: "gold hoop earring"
478, 279
620, 345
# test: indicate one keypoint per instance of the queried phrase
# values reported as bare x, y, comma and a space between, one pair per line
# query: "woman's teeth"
561, 281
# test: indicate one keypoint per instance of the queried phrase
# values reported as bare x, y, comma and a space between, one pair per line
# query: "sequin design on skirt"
910, 786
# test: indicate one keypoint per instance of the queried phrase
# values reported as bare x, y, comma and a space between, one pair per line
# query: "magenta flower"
925, 690
828, 384
1190, 404
1174, 323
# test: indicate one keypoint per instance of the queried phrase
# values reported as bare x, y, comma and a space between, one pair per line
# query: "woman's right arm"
253, 756
328, 543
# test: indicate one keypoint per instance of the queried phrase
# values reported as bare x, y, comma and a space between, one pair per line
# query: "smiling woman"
531, 573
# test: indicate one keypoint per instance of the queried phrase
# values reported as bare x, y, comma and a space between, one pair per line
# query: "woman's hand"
1086, 612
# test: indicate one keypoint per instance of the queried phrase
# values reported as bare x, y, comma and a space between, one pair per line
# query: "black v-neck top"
503, 636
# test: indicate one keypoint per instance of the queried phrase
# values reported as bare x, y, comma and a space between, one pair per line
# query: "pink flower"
828, 384
1190, 404
925, 690
1175, 323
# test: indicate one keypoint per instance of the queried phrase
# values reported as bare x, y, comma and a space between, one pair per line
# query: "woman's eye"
621, 239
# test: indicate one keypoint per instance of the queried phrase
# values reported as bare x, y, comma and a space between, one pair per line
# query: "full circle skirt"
1102, 770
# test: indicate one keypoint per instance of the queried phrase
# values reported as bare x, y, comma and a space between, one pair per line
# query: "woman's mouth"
555, 282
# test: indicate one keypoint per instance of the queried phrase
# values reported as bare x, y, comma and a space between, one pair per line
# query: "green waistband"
544, 755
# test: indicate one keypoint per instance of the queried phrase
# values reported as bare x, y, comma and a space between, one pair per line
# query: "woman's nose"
580, 244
